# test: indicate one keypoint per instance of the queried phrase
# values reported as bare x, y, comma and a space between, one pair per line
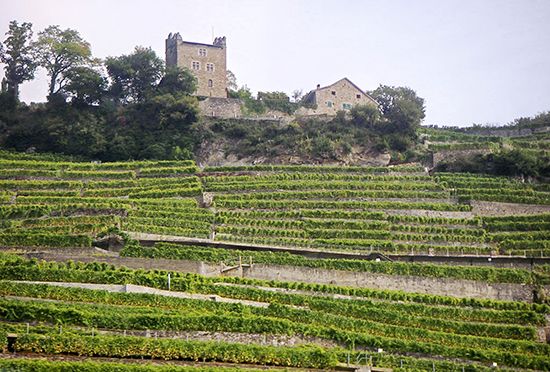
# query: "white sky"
473, 61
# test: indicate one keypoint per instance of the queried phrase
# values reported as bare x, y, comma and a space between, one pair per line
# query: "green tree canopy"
134, 77
84, 85
276, 101
401, 107
177, 81
367, 116
231, 81
17, 53
58, 52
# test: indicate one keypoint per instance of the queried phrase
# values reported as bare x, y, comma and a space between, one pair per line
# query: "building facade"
342, 95
207, 62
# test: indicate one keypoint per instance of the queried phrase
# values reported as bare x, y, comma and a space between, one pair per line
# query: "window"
333, 92
196, 65
210, 83
358, 96
202, 52
346, 106
209, 67
329, 103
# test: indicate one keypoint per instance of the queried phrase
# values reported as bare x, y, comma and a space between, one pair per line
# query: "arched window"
210, 83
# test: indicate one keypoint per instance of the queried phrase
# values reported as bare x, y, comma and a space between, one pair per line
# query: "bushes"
44, 240
329, 204
134, 347
316, 169
275, 319
93, 366
515, 162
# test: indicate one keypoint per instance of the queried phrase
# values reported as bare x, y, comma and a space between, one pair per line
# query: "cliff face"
224, 151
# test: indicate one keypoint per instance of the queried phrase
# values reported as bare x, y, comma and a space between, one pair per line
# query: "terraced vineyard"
322, 219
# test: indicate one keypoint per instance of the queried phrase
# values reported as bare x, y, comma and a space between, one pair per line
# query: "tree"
276, 101
297, 95
251, 105
515, 163
85, 86
135, 76
367, 116
177, 81
402, 109
58, 52
173, 112
18, 55
231, 81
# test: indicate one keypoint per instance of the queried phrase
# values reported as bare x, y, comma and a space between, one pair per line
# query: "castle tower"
207, 62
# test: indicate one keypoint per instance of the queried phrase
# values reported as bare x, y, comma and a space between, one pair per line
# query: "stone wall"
435, 286
224, 108
454, 155
485, 208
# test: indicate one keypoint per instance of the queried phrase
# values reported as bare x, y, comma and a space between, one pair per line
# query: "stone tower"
207, 62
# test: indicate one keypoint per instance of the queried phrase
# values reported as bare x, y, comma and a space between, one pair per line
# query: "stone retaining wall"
224, 108
435, 286
486, 208
454, 155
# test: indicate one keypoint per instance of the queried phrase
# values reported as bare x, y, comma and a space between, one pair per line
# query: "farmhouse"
342, 95
207, 62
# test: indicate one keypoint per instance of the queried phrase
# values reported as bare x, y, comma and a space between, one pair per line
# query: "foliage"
58, 52
251, 105
135, 76
341, 320
231, 81
539, 120
16, 364
401, 107
277, 101
177, 81
514, 162
321, 140
17, 53
124, 347
85, 86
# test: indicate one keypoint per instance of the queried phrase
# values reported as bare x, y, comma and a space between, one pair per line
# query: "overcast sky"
473, 61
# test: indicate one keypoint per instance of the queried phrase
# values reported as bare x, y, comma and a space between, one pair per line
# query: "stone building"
342, 95
207, 62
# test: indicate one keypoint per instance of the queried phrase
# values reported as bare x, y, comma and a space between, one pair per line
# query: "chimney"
318, 86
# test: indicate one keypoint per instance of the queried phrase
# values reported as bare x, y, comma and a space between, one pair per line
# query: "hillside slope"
206, 302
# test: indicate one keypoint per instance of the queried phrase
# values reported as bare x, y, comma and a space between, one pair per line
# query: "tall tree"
134, 76
58, 52
17, 54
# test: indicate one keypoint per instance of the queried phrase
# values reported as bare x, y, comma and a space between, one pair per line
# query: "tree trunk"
52, 83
